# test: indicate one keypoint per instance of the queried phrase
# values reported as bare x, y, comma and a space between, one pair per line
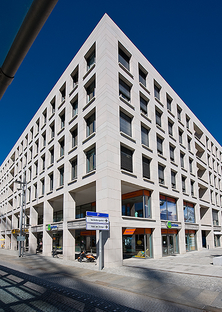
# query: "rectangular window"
91, 60
173, 179
142, 77
61, 176
35, 190
44, 139
62, 144
63, 94
43, 162
62, 119
191, 165
74, 108
124, 90
137, 204
90, 124
183, 179
45, 116
157, 89
43, 186
188, 122
161, 174
74, 134
159, 145
52, 155
192, 187
74, 169
144, 136
51, 181
215, 217
182, 160
158, 118
146, 167
169, 101
170, 127
75, 76
172, 149
168, 208
143, 105
53, 106
189, 143
52, 130
189, 212
90, 91
126, 159
91, 160
124, 59
125, 124
180, 137
179, 110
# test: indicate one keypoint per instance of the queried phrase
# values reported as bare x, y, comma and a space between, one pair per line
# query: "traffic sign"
20, 238
96, 226
97, 220
97, 214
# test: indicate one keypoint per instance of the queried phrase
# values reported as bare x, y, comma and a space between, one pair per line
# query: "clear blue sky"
182, 40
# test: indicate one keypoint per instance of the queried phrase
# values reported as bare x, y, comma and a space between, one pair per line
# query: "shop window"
190, 239
189, 212
58, 216
136, 204
168, 208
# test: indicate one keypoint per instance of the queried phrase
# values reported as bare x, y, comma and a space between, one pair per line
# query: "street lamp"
23, 184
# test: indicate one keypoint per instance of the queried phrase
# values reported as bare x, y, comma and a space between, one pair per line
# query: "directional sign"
97, 214
20, 238
96, 226
97, 220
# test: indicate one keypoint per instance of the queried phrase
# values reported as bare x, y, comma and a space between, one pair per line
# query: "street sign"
97, 214
96, 226
97, 220
20, 238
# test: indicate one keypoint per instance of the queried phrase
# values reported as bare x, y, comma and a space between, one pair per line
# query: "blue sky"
181, 39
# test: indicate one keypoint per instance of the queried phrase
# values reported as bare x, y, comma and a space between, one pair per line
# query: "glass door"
169, 244
171, 250
164, 245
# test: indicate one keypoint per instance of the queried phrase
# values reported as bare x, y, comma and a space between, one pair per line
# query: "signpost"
98, 221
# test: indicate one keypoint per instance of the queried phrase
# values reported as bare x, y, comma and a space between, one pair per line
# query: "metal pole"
100, 250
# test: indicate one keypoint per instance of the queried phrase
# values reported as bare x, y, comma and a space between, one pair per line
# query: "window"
172, 149
188, 122
158, 117
124, 58
62, 144
62, 120
142, 77
36, 168
90, 124
180, 136
124, 90
37, 146
74, 169
74, 76
170, 127
63, 93
90, 91
52, 155
143, 105
183, 179
35, 190
191, 164
146, 167
189, 212
44, 139
157, 89
81, 210
74, 107
52, 126
144, 136
126, 159
74, 134
182, 160
161, 174
53, 106
179, 111
91, 59
125, 123
192, 187
43, 186
37, 126
173, 179
137, 204
169, 102
159, 145
43, 162
91, 160
51, 182
168, 208
61, 176
189, 143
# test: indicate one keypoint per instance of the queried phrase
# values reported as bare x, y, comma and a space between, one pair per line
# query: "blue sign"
96, 214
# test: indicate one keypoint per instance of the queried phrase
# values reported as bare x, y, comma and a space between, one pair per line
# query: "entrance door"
204, 241
169, 246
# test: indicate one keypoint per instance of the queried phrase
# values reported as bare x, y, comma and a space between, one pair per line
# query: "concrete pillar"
32, 236
156, 235
48, 218
68, 236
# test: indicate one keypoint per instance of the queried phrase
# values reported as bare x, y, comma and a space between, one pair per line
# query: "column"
68, 235
48, 218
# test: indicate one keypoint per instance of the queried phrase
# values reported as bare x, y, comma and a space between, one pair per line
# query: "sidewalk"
188, 279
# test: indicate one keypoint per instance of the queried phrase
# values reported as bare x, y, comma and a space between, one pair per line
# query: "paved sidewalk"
190, 279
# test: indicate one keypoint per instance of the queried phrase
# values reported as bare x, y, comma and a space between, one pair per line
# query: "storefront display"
136, 204
190, 239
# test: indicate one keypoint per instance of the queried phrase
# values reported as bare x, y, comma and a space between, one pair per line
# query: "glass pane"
164, 245
163, 210
172, 211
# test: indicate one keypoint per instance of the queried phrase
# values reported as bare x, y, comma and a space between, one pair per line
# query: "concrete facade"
110, 131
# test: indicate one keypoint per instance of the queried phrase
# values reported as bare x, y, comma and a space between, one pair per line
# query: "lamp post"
23, 184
